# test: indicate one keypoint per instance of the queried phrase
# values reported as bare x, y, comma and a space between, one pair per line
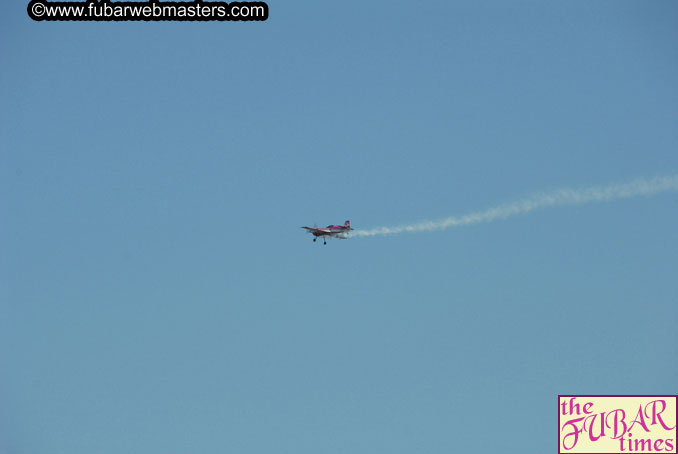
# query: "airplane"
332, 231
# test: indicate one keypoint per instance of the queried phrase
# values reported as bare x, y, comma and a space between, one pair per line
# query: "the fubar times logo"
617, 424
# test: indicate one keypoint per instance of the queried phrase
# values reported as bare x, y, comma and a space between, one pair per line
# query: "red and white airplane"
332, 231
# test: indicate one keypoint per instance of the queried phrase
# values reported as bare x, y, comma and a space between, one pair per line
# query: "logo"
617, 424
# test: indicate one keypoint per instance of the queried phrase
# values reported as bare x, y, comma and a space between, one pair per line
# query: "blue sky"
158, 295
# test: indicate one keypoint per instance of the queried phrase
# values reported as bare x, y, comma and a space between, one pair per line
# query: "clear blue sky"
158, 295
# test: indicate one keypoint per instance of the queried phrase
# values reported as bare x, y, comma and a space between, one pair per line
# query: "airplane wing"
316, 230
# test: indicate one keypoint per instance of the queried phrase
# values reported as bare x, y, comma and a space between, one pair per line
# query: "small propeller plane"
332, 231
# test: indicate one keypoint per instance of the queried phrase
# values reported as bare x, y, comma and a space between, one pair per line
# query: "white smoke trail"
635, 188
